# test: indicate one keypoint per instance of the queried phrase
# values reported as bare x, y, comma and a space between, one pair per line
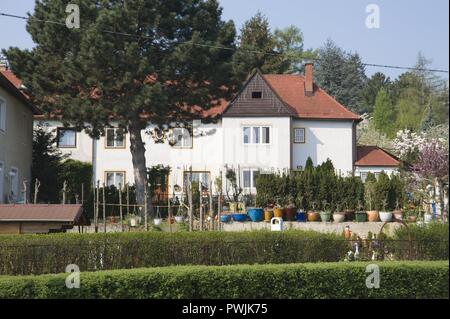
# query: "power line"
224, 47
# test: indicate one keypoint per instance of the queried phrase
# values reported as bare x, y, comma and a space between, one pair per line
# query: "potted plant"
349, 213
239, 215
411, 216
428, 217
300, 215
278, 211
290, 209
338, 215
133, 220
385, 216
360, 215
398, 212
325, 214
369, 190
313, 216
255, 214
268, 214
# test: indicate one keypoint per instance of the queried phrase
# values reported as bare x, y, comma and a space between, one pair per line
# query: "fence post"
145, 208
97, 206
191, 215
64, 193
200, 205
104, 208
120, 207
37, 184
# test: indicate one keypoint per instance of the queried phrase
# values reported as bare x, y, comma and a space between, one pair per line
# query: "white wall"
324, 139
83, 150
375, 169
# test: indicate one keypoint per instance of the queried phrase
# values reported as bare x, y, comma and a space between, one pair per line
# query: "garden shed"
40, 219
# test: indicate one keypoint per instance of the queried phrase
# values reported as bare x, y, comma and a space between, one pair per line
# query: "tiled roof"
291, 89
12, 78
12, 84
56, 213
375, 156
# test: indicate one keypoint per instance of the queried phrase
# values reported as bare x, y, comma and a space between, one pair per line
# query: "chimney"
309, 84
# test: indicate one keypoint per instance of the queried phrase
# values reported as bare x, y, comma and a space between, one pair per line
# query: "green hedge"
430, 241
40, 254
328, 280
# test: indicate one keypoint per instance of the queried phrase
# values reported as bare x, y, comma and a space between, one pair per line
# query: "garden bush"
430, 241
324, 280
39, 254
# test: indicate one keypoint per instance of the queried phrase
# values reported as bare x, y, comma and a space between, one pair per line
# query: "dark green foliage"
342, 75
372, 86
37, 254
75, 173
46, 165
430, 241
111, 197
313, 188
384, 114
298, 281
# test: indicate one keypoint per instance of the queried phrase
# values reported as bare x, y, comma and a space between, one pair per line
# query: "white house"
16, 136
273, 124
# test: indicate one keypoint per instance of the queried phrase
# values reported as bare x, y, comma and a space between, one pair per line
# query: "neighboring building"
375, 160
16, 138
40, 219
273, 124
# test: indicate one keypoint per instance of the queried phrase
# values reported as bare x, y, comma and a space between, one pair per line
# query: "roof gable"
270, 104
375, 156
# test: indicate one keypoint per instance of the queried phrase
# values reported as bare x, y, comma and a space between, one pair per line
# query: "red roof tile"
291, 89
59, 213
12, 78
375, 156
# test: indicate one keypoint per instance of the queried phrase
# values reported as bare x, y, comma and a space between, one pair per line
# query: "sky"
406, 27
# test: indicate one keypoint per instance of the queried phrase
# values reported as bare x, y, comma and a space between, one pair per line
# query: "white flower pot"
428, 218
133, 221
385, 216
338, 217
179, 219
157, 221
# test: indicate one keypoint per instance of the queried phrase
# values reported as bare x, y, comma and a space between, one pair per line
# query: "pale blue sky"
407, 26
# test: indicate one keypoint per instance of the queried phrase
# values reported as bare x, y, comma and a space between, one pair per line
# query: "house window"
116, 179
363, 176
299, 135
2, 115
115, 138
182, 137
256, 95
249, 177
201, 177
67, 138
256, 134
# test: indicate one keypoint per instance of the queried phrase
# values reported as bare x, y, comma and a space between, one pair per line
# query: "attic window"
256, 95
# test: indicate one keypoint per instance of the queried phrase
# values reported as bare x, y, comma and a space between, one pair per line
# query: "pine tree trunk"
137, 149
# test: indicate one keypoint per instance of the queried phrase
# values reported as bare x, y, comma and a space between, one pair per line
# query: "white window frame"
58, 132
115, 176
2, 115
184, 141
363, 176
260, 134
116, 140
295, 135
252, 178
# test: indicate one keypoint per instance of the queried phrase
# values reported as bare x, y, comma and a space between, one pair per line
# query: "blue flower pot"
301, 216
225, 218
240, 217
255, 214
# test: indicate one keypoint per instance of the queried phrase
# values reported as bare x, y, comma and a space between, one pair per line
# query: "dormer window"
256, 95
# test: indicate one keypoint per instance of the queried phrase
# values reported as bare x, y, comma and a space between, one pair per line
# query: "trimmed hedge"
40, 254
327, 280
430, 241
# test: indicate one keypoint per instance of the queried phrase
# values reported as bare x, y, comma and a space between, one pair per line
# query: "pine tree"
384, 114
156, 62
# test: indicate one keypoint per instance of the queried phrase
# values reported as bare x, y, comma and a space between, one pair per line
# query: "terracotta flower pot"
268, 214
290, 213
339, 217
398, 214
313, 216
373, 215
278, 212
412, 219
